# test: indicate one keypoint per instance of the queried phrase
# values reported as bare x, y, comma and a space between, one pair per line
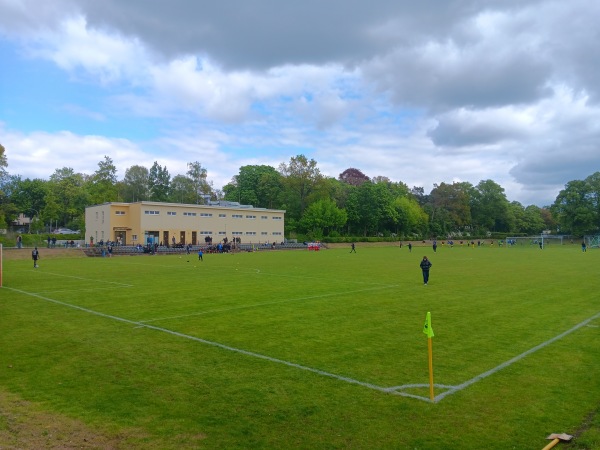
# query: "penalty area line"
394, 390
211, 343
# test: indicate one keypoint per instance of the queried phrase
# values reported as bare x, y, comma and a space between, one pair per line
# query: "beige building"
168, 223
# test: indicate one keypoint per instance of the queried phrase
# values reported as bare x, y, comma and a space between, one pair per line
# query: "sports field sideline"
321, 349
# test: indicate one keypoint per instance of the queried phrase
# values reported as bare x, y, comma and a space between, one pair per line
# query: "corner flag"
427, 327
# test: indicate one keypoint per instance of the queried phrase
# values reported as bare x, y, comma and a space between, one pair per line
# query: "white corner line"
395, 390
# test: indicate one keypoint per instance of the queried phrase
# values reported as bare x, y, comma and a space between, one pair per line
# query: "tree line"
316, 206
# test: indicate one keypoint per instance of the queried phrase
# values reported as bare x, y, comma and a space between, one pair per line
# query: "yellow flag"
427, 327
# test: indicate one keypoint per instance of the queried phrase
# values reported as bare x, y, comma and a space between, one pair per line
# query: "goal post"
535, 241
592, 241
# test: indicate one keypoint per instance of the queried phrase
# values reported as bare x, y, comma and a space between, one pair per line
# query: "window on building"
250, 217
277, 217
264, 217
190, 214
206, 232
222, 216
120, 213
171, 213
152, 213
236, 216
205, 215
250, 233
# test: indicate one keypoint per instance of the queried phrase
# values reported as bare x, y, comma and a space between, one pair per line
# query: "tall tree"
102, 185
411, 218
135, 184
418, 193
302, 178
450, 210
197, 175
593, 181
323, 216
258, 185
490, 208
574, 208
67, 188
3, 162
183, 190
159, 182
369, 207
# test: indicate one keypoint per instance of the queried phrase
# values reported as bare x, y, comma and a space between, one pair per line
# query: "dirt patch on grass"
24, 426
45, 253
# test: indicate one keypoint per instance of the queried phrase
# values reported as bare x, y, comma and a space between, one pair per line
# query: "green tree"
183, 190
102, 185
135, 184
490, 208
369, 207
159, 183
3, 164
574, 208
411, 218
527, 220
323, 216
593, 181
197, 176
450, 209
301, 180
259, 186
67, 187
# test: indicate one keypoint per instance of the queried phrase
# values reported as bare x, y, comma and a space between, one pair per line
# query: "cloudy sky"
420, 92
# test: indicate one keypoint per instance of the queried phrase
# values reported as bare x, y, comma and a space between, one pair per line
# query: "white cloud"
420, 92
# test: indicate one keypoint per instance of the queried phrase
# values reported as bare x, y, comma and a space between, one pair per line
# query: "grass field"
298, 349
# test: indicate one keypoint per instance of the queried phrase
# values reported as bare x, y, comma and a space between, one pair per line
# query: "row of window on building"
233, 233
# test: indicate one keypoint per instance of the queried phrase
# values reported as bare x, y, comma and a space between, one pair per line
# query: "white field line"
256, 305
244, 271
91, 280
396, 390
515, 359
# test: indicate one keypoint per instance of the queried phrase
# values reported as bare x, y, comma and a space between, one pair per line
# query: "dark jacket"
425, 264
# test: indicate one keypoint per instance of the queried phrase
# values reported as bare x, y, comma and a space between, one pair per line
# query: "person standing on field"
353, 248
35, 255
425, 266
583, 246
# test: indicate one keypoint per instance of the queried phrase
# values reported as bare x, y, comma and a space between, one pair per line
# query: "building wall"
134, 222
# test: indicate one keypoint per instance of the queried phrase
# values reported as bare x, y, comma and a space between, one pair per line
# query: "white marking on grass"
256, 305
514, 360
92, 280
396, 390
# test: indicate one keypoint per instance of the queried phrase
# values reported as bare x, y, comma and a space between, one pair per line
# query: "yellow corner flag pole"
429, 332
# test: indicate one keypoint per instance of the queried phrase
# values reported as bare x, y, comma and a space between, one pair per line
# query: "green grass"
234, 352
